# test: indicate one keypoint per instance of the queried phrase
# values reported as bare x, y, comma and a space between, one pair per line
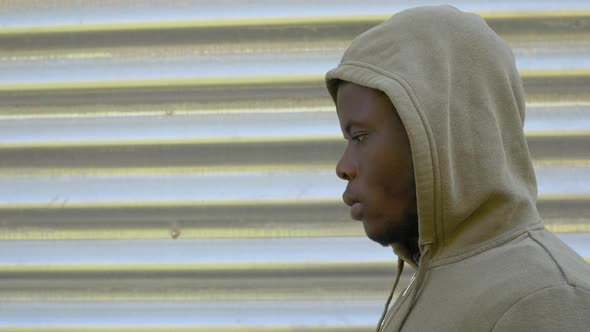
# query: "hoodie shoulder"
558, 308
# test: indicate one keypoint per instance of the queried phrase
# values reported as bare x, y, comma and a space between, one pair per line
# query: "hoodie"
487, 263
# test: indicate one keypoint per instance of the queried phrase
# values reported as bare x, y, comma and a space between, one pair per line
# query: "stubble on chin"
399, 232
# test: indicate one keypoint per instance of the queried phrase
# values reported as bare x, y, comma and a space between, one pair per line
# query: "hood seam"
529, 295
551, 257
490, 245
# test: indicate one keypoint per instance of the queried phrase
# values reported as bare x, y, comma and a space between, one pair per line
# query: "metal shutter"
169, 165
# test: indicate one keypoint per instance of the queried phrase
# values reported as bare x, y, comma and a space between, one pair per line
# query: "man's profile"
437, 166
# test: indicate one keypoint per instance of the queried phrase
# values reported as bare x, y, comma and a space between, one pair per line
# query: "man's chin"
379, 236
381, 240
393, 232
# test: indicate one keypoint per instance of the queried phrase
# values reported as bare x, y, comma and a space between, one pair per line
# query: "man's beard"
400, 232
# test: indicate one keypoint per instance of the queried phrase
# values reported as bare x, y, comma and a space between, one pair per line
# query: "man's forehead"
356, 106
353, 96
348, 90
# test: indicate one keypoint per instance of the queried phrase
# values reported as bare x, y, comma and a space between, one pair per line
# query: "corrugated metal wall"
170, 164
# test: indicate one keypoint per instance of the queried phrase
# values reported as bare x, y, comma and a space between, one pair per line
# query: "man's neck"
408, 251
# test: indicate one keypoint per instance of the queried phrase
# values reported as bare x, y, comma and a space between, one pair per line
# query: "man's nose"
346, 167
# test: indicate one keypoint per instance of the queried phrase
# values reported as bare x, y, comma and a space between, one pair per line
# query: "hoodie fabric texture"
487, 262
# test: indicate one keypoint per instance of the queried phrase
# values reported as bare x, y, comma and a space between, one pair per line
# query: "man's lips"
356, 211
348, 199
356, 208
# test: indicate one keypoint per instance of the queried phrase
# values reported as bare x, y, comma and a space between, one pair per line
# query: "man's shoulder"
559, 299
574, 270
558, 308
509, 271
537, 258
493, 286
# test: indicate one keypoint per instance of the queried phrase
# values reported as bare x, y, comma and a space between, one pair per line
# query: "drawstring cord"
400, 268
425, 257
424, 260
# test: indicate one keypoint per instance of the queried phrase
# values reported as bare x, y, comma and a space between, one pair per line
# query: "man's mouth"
356, 208
348, 199
356, 211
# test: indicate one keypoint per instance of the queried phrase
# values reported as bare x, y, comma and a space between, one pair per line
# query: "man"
438, 167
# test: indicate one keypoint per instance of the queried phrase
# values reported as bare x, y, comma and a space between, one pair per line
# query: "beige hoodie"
488, 263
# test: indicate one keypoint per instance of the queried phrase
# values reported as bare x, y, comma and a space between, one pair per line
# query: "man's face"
377, 164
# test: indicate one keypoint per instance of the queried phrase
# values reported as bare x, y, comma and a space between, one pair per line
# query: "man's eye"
359, 138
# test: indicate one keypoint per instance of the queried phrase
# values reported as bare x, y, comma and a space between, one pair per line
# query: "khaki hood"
455, 85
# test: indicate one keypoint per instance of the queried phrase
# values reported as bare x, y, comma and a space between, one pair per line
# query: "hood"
459, 95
